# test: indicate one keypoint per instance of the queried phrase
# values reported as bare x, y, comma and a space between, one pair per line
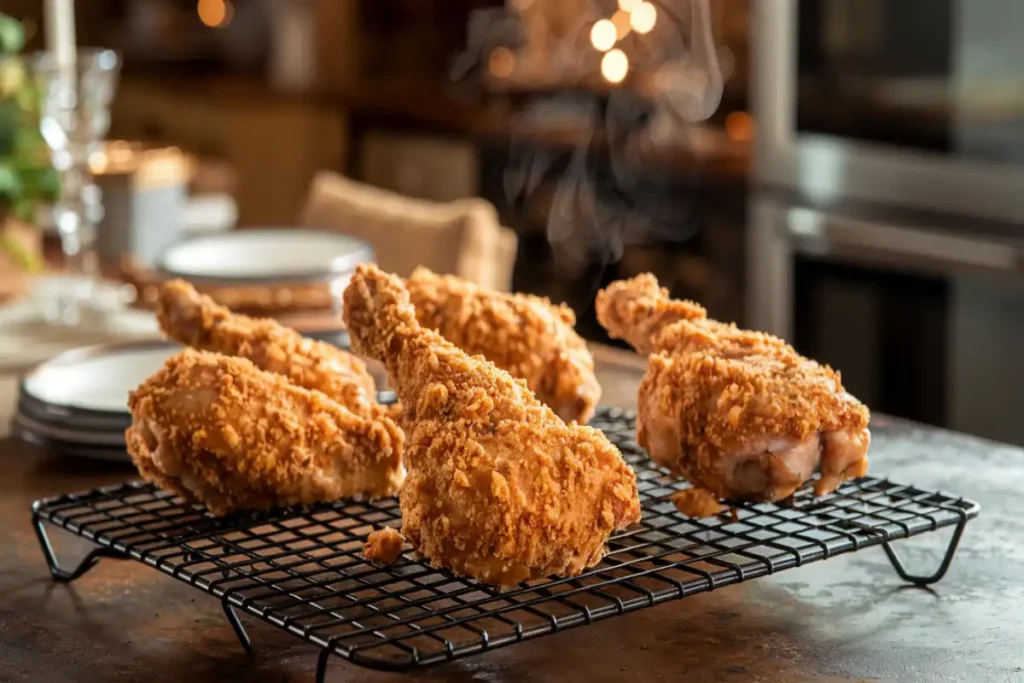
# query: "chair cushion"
461, 238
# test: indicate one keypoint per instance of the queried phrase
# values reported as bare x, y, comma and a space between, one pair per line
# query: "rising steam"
672, 80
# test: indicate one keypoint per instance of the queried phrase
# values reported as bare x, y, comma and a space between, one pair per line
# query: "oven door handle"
816, 232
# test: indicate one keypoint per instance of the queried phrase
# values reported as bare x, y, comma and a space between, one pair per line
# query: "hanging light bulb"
615, 66
603, 35
628, 5
643, 17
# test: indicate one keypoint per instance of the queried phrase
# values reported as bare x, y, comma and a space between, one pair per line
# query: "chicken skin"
195, 320
499, 488
527, 336
637, 310
739, 414
219, 431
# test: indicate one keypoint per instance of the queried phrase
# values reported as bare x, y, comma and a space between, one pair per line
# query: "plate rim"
65, 412
78, 355
364, 254
61, 417
115, 439
57, 448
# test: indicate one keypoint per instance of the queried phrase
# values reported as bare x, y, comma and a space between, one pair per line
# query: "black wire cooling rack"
303, 571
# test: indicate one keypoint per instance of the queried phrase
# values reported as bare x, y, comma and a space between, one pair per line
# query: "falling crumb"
384, 545
697, 503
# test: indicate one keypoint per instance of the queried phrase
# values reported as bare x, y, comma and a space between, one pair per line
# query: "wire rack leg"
920, 580
237, 627
56, 571
321, 665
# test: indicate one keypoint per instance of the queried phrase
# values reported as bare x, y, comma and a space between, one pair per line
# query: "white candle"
60, 31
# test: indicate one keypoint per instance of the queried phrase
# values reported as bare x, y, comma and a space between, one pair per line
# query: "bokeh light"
215, 13
615, 66
643, 17
622, 24
603, 35
502, 62
739, 126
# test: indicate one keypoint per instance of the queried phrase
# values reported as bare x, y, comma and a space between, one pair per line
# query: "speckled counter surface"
847, 619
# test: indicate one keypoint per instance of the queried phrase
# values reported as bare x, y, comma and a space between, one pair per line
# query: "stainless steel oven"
886, 231
923, 314
912, 103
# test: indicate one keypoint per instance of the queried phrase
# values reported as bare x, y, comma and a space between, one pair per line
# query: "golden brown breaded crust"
384, 546
763, 395
736, 412
499, 488
637, 310
220, 431
718, 404
725, 340
697, 503
195, 320
527, 336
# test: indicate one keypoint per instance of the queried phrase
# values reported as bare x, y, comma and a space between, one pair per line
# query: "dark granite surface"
847, 619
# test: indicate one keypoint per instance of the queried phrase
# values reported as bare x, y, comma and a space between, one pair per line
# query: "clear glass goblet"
74, 121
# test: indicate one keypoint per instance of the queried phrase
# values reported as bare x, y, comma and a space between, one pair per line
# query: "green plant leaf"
26, 176
12, 35
49, 184
24, 209
10, 182
39, 183
25, 258
10, 125
12, 78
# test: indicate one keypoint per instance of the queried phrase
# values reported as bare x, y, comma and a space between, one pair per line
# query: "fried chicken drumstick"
527, 336
739, 414
196, 320
498, 488
220, 431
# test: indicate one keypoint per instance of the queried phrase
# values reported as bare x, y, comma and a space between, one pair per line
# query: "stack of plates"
77, 403
268, 259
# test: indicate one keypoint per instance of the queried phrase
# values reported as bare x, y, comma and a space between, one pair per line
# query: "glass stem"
73, 217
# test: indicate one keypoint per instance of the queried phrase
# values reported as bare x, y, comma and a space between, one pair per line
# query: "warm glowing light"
603, 35
628, 5
215, 13
621, 21
739, 126
615, 66
643, 17
502, 62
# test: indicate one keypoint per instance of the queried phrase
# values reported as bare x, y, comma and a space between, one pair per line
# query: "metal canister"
144, 199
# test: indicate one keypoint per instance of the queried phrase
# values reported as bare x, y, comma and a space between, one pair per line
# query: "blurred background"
848, 174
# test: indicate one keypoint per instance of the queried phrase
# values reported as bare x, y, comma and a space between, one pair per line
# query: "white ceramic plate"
265, 255
96, 378
70, 436
65, 418
60, 448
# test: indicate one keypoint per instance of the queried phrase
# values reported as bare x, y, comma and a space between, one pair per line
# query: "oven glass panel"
886, 332
942, 76
944, 351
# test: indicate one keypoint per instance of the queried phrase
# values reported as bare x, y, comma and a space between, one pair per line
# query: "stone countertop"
846, 619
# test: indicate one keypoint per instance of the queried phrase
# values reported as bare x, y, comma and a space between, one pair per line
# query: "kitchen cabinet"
440, 168
274, 144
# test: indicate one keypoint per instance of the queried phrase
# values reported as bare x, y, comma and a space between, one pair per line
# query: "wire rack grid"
302, 569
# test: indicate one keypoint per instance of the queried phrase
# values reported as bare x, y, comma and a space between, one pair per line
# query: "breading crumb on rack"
384, 546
